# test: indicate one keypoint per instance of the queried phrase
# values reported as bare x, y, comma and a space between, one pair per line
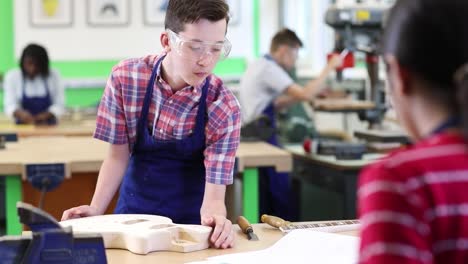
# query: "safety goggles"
195, 49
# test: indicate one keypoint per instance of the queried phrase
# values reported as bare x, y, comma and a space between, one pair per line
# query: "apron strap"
199, 126
148, 95
202, 113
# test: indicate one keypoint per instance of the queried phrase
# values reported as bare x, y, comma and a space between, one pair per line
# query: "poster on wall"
108, 13
154, 12
50, 13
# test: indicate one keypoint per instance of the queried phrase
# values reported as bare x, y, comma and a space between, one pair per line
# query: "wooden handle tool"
274, 221
246, 228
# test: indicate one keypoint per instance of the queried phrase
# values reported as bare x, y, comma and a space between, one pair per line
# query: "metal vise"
49, 242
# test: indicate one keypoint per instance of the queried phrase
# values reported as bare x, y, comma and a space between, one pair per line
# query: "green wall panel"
83, 97
256, 27
102, 69
7, 60
231, 66
75, 97
84, 69
1, 100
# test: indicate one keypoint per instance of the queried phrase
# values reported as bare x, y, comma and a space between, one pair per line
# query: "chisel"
246, 228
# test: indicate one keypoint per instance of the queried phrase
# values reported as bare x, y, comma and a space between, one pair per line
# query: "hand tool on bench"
326, 226
246, 228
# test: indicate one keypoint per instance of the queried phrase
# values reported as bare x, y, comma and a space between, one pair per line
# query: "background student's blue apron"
274, 186
166, 178
37, 104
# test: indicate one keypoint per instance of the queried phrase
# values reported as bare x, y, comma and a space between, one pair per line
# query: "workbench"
329, 174
267, 237
344, 106
82, 158
249, 157
84, 127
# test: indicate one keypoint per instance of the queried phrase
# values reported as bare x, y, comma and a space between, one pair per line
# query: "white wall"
82, 42
307, 19
269, 23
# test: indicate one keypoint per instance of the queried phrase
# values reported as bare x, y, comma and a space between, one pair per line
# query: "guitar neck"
331, 227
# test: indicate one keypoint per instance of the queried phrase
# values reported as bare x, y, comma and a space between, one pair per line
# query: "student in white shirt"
265, 88
34, 94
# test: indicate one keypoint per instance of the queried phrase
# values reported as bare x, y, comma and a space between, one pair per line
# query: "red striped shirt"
413, 205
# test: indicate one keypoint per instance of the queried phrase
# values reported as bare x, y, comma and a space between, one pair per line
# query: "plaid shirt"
176, 112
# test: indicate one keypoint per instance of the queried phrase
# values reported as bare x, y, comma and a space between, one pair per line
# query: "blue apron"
37, 104
166, 177
274, 186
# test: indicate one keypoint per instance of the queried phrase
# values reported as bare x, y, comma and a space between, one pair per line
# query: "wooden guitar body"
142, 234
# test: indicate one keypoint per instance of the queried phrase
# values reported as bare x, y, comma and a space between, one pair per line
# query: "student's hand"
24, 116
213, 213
80, 211
43, 117
223, 234
335, 62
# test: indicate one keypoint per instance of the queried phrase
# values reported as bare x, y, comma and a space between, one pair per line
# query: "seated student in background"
34, 94
266, 87
413, 205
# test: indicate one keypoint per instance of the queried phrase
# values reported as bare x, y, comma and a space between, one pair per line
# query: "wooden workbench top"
267, 237
342, 104
85, 154
66, 128
258, 154
79, 154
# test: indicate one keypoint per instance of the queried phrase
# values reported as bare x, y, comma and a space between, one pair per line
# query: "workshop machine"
358, 28
49, 242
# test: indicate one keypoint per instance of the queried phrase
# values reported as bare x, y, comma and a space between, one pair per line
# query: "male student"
266, 87
173, 127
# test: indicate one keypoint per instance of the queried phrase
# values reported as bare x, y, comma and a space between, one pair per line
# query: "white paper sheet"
300, 246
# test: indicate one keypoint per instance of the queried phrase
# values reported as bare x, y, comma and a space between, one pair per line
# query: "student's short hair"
181, 12
39, 55
285, 37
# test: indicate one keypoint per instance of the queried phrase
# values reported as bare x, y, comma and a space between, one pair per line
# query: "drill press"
358, 28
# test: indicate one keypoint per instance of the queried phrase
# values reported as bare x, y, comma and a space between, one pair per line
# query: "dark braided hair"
39, 55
